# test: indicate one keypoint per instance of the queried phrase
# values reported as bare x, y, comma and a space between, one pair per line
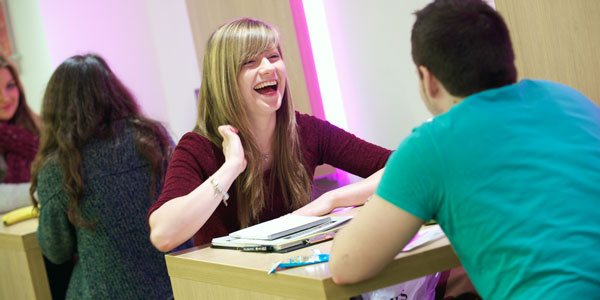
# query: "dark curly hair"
84, 99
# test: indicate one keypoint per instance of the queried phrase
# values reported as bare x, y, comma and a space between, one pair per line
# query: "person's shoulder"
303, 118
433, 131
307, 121
430, 126
529, 82
49, 168
194, 139
310, 127
547, 86
49, 179
196, 145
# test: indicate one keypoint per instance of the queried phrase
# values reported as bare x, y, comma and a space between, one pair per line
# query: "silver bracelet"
218, 190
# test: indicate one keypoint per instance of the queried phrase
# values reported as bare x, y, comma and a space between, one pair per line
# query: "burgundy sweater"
196, 158
18, 146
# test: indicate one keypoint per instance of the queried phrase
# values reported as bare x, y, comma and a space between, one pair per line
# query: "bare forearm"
357, 193
353, 256
179, 219
349, 195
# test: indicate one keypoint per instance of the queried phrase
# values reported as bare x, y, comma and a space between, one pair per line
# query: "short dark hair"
465, 44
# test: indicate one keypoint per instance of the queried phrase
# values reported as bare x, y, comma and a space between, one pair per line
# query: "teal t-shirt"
512, 175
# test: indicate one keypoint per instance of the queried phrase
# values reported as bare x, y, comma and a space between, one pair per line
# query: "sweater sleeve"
193, 161
55, 233
3, 168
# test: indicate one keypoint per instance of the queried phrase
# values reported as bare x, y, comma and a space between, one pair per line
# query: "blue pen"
298, 261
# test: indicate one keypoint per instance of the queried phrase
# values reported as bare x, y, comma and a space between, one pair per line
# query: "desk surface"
19, 236
23, 271
205, 270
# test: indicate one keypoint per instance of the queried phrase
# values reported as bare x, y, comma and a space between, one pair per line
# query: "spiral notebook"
297, 239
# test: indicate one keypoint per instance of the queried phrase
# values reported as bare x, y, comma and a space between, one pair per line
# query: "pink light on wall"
321, 79
72, 27
308, 60
315, 46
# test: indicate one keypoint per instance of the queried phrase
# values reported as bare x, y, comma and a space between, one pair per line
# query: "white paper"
425, 235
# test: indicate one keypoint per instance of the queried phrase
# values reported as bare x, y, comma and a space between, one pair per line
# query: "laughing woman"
251, 156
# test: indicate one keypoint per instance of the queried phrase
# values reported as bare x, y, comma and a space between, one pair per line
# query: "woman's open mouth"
266, 87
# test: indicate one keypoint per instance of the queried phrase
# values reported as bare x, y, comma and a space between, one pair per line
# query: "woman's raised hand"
232, 148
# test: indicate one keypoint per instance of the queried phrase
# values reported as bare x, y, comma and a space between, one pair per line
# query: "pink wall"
308, 62
118, 31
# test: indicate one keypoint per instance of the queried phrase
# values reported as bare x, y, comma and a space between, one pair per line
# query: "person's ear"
431, 85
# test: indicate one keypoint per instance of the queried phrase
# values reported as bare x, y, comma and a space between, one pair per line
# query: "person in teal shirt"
510, 170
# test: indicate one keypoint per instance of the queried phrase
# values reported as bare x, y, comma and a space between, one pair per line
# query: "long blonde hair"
220, 102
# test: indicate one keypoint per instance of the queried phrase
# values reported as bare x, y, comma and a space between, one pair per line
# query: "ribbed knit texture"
18, 146
196, 158
115, 259
3, 167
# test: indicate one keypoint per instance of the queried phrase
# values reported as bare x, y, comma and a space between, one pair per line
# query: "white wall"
176, 57
378, 80
31, 48
377, 77
148, 44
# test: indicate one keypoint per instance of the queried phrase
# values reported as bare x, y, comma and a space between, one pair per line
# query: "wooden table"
23, 273
207, 273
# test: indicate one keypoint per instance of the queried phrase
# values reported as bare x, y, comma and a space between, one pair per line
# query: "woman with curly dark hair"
100, 166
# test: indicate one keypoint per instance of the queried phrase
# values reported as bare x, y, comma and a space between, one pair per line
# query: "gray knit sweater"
115, 259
